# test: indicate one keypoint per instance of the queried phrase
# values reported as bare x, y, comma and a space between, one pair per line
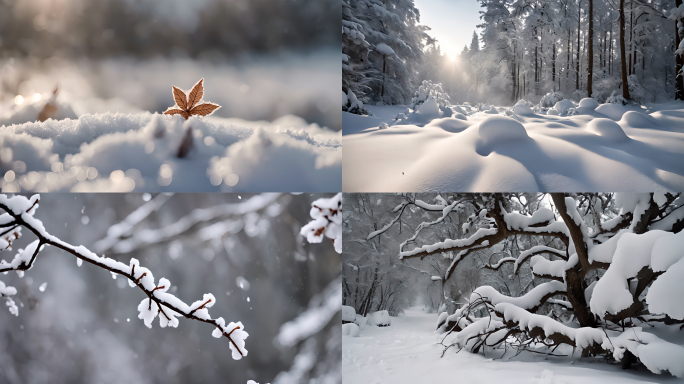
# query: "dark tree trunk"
610, 50
536, 57
384, 59
577, 63
553, 64
513, 77
590, 49
623, 59
679, 62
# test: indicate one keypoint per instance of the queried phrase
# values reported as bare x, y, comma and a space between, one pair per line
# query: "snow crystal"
242, 283
42, 287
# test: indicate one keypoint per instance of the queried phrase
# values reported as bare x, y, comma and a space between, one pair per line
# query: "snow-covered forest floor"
492, 148
276, 129
407, 351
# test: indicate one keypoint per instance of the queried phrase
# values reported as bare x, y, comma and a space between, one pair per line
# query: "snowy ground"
275, 130
407, 352
610, 148
139, 152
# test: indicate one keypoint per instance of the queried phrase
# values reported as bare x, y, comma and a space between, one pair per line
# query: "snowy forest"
79, 78
521, 50
513, 287
249, 296
548, 96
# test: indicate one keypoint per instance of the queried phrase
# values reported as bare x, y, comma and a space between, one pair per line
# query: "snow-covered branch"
124, 239
327, 221
19, 211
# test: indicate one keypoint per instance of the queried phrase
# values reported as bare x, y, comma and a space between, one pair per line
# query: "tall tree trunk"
610, 50
384, 59
553, 64
623, 59
590, 49
536, 57
679, 61
513, 77
577, 63
568, 56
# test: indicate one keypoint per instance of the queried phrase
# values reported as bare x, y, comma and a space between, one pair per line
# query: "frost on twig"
19, 212
327, 221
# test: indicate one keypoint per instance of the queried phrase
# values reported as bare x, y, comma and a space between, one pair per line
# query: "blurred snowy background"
262, 59
73, 323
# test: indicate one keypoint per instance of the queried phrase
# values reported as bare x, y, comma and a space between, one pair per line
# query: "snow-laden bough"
19, 212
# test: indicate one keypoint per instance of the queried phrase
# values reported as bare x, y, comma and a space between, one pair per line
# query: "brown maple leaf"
187, 106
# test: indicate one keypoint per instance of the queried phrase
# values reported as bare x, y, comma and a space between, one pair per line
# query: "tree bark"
384, 59
623, 59
577, 63
679, 61
590, 49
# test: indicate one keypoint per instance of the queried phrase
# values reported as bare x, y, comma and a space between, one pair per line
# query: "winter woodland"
543, 90
521, 287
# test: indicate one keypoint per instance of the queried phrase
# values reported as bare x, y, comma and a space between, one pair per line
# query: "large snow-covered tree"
604, 269
617, 51
382, 48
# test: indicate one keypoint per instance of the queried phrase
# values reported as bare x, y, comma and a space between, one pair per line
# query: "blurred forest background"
73, 323
261, 58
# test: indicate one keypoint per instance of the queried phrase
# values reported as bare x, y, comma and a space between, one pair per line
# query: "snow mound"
553, 112
500, 129
145, 152
613, 111
635, 119
458, 110
522, 109
607, 128
429, 107
29, 112
450, 124
492, 110
361, 321
563, 106
348, 313
350, 329
588, 102
379, 318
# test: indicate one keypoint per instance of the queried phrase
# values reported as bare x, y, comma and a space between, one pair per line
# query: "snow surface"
138, 152
604, 147
408, 352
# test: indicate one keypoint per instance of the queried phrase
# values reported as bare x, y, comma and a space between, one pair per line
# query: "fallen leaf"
187, 106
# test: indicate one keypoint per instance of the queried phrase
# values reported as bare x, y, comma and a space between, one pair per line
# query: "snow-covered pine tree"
382, 47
